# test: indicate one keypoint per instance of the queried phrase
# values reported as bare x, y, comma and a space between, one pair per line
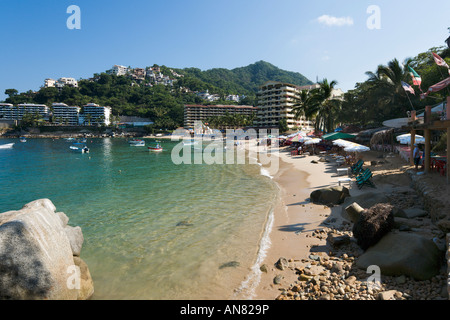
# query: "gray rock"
332, 195
231, 264
86, 283
35, 254
403, 254
414, 213
277, 279
76, 239
282, 263
337, 240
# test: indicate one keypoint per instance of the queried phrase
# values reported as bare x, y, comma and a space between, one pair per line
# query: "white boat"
156, 148
137, 143
190, 143
80, 149
23, 139
7, 146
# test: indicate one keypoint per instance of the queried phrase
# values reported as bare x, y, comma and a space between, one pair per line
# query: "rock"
387, 295
373, 224
277, 279
282, 263
86, 289
332, 195
444, 225
410, 223
399, 212
336, 240
64, 218
264, 268
414, 213
35, 254
406, 254
76, 239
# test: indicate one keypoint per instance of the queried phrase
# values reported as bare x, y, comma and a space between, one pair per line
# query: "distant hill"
245, 80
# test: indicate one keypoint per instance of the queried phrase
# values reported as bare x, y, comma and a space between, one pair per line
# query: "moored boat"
7, 146
137, 143
23, 139
156, 148
84, 149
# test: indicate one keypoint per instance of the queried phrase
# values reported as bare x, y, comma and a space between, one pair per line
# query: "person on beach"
416, 156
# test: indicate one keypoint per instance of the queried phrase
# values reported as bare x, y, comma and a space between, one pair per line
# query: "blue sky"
326, 39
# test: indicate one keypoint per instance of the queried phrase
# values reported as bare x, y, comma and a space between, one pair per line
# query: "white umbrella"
356, 148
313, 141
341, 143
406, 139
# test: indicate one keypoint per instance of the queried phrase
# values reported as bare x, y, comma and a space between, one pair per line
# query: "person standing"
416, 156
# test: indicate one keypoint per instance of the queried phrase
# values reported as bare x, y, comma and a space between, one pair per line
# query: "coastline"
300, 226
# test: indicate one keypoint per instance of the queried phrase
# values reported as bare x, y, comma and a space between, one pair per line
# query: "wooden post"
427, 152
427, 114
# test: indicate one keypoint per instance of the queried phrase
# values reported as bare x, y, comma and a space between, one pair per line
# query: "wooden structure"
427, 127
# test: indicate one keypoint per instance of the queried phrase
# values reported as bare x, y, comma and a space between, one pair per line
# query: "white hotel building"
62, 113
276, 101
94, 114
11, 112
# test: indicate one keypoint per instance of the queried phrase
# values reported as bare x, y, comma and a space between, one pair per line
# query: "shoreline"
300, 227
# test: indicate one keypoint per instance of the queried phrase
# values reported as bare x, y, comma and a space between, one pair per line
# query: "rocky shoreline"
337, 268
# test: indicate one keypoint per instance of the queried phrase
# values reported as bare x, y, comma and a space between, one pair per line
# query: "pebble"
335, 278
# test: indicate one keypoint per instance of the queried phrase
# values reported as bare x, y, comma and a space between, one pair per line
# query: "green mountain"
244, 80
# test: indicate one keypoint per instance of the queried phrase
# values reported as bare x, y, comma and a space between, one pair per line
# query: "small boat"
156, 148
69, 139
23, 139
80, 149
190, 143
7, 146
137, 143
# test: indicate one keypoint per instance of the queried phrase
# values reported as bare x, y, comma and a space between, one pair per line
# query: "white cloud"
334, 21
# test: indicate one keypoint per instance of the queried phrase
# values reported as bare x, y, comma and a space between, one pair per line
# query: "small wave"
265, 172
249, 285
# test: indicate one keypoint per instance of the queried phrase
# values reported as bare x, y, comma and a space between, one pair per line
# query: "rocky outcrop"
330, 196
37, 250
406, 254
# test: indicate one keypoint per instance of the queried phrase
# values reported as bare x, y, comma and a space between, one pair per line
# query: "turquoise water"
152, 229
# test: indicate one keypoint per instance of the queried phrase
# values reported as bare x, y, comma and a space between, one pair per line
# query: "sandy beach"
300, 225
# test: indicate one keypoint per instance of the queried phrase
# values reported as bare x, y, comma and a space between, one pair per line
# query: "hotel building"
10, 112
93, 114
201, 113
62, 113
276, 101
118, 70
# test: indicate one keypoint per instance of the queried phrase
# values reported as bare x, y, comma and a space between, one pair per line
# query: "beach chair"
357, 167
365, 179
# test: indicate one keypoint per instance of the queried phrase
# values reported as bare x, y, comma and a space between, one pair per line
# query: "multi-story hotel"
276, 101
10, 112
62, 113
93, 114
118, 70
201, 113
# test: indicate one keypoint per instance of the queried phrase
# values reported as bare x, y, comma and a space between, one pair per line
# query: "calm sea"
152, 229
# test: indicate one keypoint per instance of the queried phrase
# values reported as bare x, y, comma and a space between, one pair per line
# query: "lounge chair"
365, 179
357, 167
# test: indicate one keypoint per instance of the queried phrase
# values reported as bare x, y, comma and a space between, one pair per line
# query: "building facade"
193, 113
11, 112
275, 103
64, 114
118, 70
95, 115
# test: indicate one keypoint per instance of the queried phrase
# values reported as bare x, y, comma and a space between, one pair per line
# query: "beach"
300, 226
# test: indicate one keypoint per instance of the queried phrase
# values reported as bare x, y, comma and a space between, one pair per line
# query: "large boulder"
403, 254
36, 257
330, 196
373, 224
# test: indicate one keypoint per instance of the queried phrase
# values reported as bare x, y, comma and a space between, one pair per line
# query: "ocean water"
152, 229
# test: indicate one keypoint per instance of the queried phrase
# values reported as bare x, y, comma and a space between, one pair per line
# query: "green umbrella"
337, 135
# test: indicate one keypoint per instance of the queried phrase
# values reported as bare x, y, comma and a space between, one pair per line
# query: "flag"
417, 80
407, 87
437, 87
439, 61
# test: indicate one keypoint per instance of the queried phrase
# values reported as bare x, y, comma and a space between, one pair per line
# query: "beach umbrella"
313, 141
337, 135
354, 147
406, 139
341, 143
